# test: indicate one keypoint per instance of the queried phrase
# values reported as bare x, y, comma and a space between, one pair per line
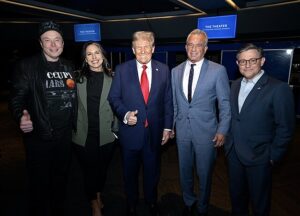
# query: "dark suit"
259, 133
140, 143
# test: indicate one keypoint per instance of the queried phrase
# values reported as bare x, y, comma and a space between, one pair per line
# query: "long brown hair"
85, 70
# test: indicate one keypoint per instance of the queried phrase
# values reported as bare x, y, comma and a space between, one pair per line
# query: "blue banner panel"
87, 32
218, 27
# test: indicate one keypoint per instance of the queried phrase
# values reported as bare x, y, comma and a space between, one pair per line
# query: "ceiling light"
232, 4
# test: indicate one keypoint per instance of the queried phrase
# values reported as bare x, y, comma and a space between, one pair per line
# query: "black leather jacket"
28, 92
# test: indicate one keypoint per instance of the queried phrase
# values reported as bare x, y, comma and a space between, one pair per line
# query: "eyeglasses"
197, 46
252, 61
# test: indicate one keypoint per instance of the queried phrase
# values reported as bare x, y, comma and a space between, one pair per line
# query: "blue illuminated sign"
87, 32
218, 27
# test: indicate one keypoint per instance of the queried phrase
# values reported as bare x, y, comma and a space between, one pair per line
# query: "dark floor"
285, 199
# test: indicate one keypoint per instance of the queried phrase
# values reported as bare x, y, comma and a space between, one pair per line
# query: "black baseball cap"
48, 26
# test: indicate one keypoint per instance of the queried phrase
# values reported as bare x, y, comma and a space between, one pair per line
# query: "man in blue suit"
141, 97
198, 85
261, 128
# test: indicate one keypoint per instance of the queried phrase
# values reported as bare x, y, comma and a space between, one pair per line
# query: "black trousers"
94, 160
48, 163
249, 184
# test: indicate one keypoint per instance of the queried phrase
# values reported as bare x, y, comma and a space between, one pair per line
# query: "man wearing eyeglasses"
262, 125
197, 85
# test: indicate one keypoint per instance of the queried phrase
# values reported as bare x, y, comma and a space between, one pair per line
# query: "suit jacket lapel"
201, 79
154, 81
235, 95
180, 79
134, 78
254, 92
105, 89
82, 92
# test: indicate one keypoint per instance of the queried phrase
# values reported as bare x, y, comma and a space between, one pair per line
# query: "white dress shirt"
185, 80
149, 76
246, 87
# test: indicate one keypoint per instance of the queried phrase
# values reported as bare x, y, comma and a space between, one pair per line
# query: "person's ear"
153, 49
262, 61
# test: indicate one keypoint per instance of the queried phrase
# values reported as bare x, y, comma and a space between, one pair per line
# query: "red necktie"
145, 87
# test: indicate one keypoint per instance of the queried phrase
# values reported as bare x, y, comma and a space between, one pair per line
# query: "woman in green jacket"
94, 140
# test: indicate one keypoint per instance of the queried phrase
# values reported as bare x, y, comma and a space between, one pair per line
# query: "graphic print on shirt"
60, 88
60, 93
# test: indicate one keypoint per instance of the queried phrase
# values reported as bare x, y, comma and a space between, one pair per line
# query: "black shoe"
153, 209
190, 210
131, 211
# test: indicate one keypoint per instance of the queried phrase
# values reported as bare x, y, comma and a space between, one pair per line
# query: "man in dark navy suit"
262, 125
141, 97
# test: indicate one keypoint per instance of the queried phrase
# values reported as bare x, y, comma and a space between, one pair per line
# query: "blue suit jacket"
265, 125
126, 95
201, 113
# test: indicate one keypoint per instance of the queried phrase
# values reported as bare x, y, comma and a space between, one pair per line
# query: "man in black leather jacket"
43, 102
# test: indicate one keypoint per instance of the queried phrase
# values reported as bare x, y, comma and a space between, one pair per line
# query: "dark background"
272, 24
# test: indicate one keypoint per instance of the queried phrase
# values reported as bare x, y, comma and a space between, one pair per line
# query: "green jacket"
107, 120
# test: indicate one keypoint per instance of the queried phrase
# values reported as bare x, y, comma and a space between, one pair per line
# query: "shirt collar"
196, 63
255, 78
139, 65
